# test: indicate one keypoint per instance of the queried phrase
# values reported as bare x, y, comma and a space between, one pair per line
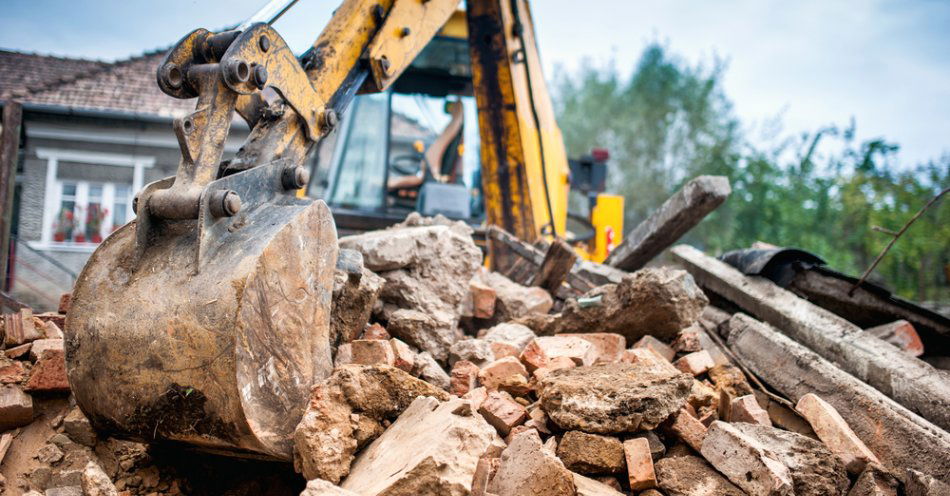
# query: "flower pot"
59, 237
96, 238
80, 238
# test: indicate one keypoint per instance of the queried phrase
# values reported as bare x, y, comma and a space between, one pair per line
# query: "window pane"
360, 173
65, 223
95, 214
95, 192
118, 216
122, 192
69, 189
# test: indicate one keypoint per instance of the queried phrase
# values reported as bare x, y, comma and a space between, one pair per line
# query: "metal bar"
269, 13
11, 302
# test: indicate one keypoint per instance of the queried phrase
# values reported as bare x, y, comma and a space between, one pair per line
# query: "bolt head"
232, 203
260, 76
264, 43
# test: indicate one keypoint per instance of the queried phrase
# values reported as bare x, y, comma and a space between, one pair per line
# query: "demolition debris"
450, 379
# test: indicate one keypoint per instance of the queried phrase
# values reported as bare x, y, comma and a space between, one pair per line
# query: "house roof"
126, 86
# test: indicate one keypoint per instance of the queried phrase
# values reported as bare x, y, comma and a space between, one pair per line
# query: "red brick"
696, 363
747, 409
901, 334
19, 328
501, 349
49, 373
372, 352
835, 433
687, 341
464, 377
639, 464
609, 347
652, 343
688, 429
403, 356
649, 358
12, 372
476, 397
375, 331
64, 300
18, 351
552, 365
502, 412
497, 372
533, 356
41, 345
483, 300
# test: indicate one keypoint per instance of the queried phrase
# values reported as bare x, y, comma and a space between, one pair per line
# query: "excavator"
205, 321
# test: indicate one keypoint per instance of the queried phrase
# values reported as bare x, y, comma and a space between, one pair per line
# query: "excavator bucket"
218, 351
206, 320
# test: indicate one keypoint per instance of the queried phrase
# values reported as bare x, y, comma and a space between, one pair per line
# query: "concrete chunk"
898, 437
320, 487
908, 380
874, 481
514, 300
509, 332
586, 486
432, 449
657, 301
745, 462
691, 476
528, 470
346, 411
613, 398
780, 462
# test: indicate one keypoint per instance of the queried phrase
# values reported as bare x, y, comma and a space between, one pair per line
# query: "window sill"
66, 246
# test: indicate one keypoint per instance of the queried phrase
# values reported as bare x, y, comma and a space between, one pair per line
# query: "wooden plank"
9, 146
665, 226
535, 257
556, 266
900, 438
908, 380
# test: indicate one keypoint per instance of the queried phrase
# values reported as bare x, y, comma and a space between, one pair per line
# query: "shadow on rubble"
203, 474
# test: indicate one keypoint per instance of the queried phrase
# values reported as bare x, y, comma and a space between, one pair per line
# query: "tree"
668, 122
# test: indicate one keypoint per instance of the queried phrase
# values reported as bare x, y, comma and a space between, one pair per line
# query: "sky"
812, 63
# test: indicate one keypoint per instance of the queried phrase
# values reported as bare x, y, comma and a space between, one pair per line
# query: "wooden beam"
899, 438
556, 266
9, 146
908, 380
667, 224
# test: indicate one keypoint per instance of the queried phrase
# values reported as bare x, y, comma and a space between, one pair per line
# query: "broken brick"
687, 341
747, 409
403, 356
835, 433
372, 352
476, 397
608, 347
688, 429
696, 363
502, 412
901, 334
18, 351
464, 377
582, 352
41, 345
19, 328
501, 349
552, 365
16, 408
639, 464
495, 373
375, 331
49, 373
483, 300
12, 371
659, 347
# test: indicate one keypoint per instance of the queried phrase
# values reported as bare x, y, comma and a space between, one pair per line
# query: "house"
93, 134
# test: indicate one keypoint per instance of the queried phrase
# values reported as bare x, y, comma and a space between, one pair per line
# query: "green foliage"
669, 121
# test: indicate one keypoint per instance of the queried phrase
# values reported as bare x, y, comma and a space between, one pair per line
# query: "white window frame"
54, 188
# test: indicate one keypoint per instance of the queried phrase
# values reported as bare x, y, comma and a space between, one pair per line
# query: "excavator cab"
412, 148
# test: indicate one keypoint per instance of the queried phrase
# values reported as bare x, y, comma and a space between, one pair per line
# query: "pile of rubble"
453, 380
